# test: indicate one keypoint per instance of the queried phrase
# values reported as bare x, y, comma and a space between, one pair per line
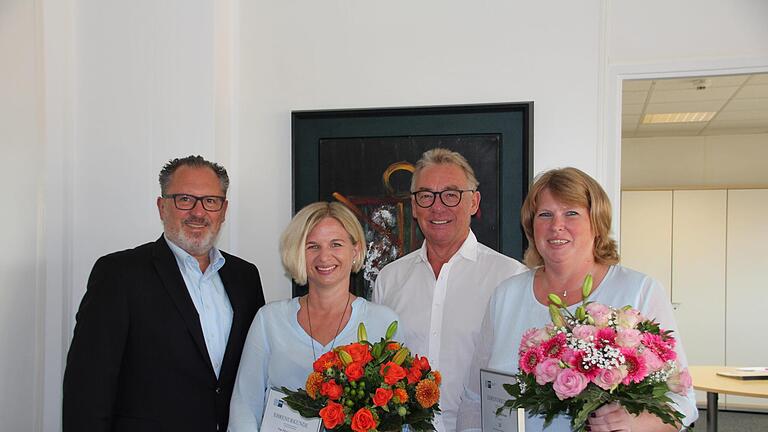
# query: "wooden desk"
706, 379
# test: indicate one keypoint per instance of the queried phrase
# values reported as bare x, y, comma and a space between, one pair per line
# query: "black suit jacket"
138, 360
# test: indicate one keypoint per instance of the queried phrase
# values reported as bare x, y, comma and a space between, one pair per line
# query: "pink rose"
567, 355
608, 378
584, 332
680, 381
628, 318
569, 383
533, 337
547, 371
652, 361
628, 338
600, 313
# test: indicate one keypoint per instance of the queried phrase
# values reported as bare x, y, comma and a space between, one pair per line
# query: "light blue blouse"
514, 309
278, 352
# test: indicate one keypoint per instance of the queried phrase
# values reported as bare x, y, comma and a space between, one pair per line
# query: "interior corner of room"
693, 209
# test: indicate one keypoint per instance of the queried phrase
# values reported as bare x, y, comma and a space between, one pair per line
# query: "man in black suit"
161, 327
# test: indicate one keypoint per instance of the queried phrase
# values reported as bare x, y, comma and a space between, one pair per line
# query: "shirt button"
218, 390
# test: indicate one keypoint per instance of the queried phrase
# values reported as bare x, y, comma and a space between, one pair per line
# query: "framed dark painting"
364, 159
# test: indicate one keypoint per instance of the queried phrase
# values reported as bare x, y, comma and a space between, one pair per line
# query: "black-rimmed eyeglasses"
212, 203
449, 197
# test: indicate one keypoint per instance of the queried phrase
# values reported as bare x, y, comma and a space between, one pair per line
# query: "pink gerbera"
637, 370
663, 347
554, 346
605, 336
529, 359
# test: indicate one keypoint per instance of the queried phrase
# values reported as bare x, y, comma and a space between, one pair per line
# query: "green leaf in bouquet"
302, 403
592, 398
649, 326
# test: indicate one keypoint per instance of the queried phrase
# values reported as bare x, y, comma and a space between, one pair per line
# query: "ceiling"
739, 101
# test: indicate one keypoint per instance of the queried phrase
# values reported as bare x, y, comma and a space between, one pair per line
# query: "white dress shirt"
442, 316
210, 300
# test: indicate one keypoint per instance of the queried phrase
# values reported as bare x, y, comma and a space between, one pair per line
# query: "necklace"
338, 328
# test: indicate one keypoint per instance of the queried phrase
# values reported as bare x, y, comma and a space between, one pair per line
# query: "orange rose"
421, 363
363, 421
332, 415
359, 352
354, 371
401, 395
331, 390
314, 381
414, 375
382, 396
327, 360
393, 346
392, 372
427, 393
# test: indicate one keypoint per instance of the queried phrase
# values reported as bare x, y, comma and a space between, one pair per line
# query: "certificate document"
493, 396
279, 417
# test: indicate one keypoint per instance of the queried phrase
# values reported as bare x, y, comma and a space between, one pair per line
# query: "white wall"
725, 161
658, 31
21, 175
341, 54
125, 87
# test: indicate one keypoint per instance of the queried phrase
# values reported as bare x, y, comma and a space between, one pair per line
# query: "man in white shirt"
441, 290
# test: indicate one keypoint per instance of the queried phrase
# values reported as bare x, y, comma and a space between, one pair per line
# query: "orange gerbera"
314, 381
401, 395
427, 393
438, 377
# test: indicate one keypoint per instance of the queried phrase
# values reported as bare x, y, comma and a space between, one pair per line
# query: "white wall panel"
747, 287
21, 174
698, 275
646, 233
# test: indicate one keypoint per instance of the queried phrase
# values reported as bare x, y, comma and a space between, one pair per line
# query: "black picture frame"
325, 143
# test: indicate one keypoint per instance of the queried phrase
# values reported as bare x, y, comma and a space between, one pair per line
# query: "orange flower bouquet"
365, 387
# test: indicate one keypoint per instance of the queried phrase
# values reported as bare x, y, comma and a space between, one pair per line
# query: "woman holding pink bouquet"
567, 218
320, 248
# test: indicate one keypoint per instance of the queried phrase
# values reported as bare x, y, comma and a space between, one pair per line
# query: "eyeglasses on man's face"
211, 203
449, 197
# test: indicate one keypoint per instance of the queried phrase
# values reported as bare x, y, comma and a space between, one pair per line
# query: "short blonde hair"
574, 187
294, 237
442, 156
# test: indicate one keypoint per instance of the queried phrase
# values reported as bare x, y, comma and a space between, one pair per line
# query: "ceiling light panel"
678, 117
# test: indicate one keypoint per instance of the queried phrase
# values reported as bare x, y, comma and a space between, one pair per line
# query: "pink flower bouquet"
598, 355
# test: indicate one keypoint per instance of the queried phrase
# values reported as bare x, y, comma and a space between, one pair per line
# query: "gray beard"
193, 246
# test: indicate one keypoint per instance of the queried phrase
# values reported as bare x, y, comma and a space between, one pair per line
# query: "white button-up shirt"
210, 299
442, 316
